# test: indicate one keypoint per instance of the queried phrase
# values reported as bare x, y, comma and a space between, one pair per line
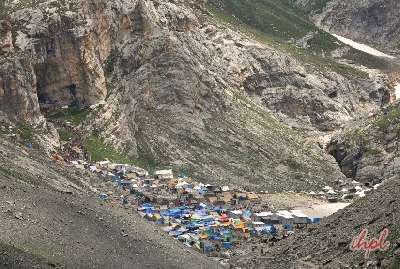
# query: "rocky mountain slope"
368, 151
328, 245
50, 218
181, 89
372, 21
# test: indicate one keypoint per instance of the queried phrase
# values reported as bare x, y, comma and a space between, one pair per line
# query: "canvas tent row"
283, 217
164, 174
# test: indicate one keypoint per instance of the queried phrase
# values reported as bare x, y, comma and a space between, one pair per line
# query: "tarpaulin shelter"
314, 220
288, 227
235, 214
223, 218
147, 208
207, 247
227, 245
271, 229
247, 214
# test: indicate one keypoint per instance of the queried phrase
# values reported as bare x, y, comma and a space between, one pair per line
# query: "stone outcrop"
6, 40
368, 150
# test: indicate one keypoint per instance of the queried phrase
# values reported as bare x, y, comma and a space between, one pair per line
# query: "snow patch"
397, 91
363, 47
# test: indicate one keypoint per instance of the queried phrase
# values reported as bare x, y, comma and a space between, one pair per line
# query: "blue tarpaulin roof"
147, 205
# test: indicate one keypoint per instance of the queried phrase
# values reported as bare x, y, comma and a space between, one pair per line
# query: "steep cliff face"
52, 57
18, 95
182, 90
372, 22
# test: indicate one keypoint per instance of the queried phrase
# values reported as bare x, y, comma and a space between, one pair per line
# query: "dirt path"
323, 210
288, 200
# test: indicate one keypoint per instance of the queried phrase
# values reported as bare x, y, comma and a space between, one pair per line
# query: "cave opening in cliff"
43, 98
72, 90
50, 100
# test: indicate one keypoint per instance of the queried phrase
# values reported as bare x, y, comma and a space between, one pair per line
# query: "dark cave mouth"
58, 99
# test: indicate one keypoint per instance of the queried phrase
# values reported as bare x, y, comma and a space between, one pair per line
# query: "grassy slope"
277, 19
277, 22
95, 146
314, 6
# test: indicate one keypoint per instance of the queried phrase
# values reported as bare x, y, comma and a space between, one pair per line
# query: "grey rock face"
18, 96
55, 62
368, 152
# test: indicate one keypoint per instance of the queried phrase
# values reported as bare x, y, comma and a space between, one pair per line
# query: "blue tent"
208, 247
314, 220
147, 208
270, 229
215, 237
227, 245
175, 233
288, 227
147, 205
247, 213
219, 210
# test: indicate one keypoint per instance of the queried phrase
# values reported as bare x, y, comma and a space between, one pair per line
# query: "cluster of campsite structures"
348, 192
211, 218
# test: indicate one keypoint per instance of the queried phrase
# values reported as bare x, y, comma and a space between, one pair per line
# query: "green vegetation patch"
65, 135
73, 115
10, 172
371, 61
99, 151
315, 6
3, 9
111, 61
390, 119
